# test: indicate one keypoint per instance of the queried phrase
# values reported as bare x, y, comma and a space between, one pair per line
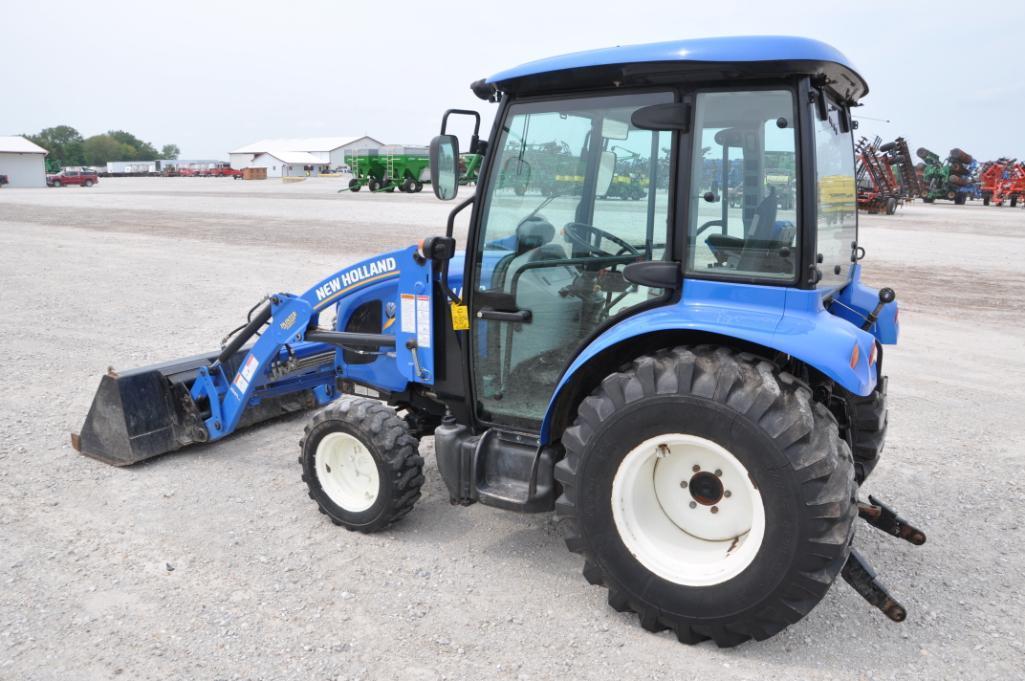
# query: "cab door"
575, 193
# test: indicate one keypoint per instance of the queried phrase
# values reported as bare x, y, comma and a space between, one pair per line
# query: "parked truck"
65, 178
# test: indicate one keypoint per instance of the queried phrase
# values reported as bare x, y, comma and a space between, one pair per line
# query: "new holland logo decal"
361, 274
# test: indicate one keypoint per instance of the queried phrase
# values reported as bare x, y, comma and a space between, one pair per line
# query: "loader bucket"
146, 412
141, 413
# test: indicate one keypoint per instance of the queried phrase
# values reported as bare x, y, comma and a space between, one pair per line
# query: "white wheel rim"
671, 528
347, 472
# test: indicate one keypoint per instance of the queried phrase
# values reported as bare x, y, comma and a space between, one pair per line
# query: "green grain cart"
389, 168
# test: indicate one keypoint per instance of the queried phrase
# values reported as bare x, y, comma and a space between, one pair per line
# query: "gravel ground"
213, 564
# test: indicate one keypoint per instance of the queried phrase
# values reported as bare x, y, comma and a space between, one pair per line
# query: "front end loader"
692, 380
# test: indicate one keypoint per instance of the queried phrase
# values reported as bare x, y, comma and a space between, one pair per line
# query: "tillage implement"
692, 380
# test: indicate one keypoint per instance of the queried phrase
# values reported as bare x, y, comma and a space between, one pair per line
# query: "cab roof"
704, 59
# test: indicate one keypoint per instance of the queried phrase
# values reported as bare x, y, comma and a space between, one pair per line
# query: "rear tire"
788, 451
868, 422
373, 185
360, 464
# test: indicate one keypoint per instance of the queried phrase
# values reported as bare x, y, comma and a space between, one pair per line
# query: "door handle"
518, 316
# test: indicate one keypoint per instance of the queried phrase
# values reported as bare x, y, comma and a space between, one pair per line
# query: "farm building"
329, 152
23, 162
287, 163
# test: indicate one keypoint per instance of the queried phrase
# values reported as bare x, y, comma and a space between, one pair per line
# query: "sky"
212, 76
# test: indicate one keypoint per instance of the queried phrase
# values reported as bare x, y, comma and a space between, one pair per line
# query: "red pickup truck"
66, 177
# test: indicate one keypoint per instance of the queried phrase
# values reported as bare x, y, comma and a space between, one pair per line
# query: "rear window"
837, 226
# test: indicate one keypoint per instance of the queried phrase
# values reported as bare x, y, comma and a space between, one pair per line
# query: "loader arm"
293, 365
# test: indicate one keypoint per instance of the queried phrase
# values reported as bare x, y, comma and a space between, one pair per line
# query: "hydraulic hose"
238, 340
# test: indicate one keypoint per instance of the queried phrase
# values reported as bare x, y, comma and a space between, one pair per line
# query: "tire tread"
783, 407
389, 434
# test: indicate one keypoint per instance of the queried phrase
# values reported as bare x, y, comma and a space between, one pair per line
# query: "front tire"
360, 464
768, 444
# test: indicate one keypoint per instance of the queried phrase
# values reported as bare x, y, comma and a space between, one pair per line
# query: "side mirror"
606, 168
445, 166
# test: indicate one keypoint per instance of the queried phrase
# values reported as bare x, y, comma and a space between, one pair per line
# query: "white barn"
23, 162
286, 163
325, 151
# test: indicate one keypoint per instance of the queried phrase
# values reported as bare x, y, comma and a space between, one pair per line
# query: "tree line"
67, 147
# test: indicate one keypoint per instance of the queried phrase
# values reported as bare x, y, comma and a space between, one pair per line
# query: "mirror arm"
475, 139
449, 229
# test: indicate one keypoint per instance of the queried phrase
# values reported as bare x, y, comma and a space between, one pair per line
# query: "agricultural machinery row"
887, 177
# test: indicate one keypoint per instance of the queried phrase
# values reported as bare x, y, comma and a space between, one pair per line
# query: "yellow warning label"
460, 317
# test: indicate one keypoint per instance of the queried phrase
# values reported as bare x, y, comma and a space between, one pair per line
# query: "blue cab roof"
724, 50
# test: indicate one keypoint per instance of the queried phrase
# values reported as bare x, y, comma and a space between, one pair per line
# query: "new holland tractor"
695, 389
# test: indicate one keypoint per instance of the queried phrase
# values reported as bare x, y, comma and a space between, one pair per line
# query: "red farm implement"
1002, 181
878, 188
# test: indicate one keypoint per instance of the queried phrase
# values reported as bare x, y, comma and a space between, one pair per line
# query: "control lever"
886, 295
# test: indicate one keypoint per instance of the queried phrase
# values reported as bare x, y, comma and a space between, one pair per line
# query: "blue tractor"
693, 382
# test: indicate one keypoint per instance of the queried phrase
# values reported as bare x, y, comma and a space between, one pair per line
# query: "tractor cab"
730, 156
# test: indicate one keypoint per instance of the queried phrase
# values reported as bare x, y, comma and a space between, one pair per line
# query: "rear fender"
857, 300
787, 320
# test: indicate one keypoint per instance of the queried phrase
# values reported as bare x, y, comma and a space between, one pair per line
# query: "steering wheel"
707, 225
579, 234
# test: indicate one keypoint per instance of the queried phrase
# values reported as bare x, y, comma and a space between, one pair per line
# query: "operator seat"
750, 252
532, 233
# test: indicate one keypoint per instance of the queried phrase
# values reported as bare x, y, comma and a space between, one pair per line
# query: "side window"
743, 203
837, 226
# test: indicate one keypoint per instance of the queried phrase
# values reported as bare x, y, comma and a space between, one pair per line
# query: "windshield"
575, 194
838, 210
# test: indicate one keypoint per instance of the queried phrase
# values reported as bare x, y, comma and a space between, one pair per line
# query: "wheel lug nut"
715, 509
718, 472
683, 484
693, 504
727, 494
696, 468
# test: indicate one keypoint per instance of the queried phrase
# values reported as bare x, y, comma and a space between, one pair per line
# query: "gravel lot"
135, 271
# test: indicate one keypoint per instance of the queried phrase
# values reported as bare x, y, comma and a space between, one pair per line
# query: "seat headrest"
533, 232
